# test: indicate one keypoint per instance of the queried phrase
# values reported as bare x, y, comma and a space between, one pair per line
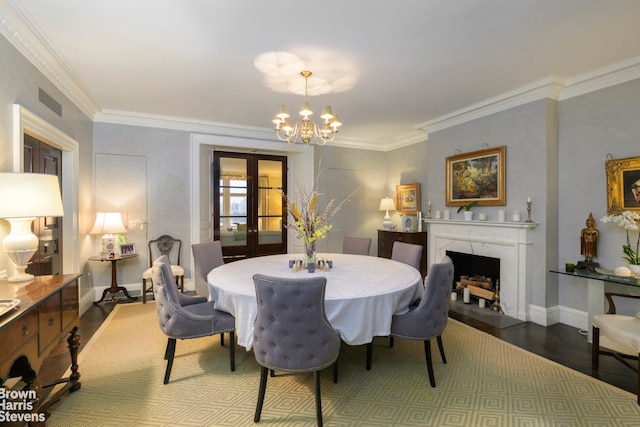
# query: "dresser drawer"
49, 321
17, 333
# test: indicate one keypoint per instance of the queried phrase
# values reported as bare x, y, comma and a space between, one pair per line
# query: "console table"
387, 237
47, 310
595, 289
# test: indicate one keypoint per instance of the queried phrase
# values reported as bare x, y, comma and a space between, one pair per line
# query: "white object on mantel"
635, 269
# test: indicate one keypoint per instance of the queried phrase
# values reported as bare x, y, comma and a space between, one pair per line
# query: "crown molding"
24, 36
552, 88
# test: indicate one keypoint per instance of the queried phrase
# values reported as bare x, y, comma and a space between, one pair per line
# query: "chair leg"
427, 353
318, 400
439, 339
638, 390
261, 391
144, 291
595, 348
335, 372
391, 342
222, 339
369, 355
168, 355
232, 350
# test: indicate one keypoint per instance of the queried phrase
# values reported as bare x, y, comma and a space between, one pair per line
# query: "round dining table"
362, 292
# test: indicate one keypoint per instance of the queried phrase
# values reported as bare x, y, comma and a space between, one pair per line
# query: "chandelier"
306, 129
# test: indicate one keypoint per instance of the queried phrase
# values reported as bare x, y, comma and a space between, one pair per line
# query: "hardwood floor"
561, 343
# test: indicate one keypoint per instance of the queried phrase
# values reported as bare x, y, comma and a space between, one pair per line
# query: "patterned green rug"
486, 382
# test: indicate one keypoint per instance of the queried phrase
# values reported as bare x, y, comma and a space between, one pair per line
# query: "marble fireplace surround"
508, 241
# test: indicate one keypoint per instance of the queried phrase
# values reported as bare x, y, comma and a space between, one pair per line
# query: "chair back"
407, 253
166, 294
291, 331
356, 245
165, 245
206, 257
429, 318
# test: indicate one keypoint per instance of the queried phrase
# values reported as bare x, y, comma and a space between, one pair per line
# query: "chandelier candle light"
306, 129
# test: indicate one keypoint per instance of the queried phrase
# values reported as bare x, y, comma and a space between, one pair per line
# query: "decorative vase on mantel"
310, 253
468, 215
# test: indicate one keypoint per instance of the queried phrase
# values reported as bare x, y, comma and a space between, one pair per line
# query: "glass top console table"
595, 288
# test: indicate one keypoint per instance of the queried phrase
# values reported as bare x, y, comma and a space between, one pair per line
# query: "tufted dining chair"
206, 257
428, 319
292, 333
356, 245
183, 316
171, 247
407, 253
617, 335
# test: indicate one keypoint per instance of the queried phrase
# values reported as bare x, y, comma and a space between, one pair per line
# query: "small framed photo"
408, 198
128, 249
623, 185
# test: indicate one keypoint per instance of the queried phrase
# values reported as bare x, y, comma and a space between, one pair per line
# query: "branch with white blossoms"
309, 222
629, 221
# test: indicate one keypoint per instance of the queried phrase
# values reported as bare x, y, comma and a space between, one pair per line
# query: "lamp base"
20, 275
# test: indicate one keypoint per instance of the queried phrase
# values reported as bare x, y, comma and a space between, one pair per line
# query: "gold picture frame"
478, 176
623, 185
408, 198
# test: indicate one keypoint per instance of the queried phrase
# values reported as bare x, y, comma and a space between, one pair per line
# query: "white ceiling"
410, 62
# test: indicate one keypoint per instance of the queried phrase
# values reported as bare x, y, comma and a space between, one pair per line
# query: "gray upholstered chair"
617, 335
183, 316
206, 257
291, 332
407, 253
172, 248
428, 319
356, 245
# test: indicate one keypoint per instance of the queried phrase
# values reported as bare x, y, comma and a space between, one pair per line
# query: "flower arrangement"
629, 221
309, 221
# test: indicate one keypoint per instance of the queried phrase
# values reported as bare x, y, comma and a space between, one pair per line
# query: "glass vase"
310, 253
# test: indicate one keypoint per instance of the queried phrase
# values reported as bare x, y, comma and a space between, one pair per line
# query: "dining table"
362, 292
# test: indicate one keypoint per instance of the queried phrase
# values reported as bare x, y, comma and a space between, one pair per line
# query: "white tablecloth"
362, 293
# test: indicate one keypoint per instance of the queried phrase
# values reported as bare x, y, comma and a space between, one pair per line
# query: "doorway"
40, 157
248, 208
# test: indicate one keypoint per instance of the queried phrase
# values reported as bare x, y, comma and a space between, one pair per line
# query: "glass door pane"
269, 202
233, 196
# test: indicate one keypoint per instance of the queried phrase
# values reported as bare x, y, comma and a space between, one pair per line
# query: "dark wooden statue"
589, 244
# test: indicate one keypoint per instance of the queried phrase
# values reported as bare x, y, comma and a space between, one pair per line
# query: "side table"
114, 289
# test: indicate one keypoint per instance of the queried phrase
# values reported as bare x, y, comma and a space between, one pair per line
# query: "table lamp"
108, 224
387, 204
24, 197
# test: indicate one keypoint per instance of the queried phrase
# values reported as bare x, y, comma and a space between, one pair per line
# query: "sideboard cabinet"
47, 310
387, 237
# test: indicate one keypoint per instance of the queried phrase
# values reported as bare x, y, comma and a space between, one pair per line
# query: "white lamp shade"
387, 204
29, 195
108, 223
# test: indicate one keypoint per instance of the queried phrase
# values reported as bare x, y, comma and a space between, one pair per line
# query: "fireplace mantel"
508, 241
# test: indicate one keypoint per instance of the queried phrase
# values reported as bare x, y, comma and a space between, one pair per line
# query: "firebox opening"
480, 271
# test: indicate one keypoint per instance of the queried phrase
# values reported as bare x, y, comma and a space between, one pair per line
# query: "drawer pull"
51, 321
25, 329
69, 307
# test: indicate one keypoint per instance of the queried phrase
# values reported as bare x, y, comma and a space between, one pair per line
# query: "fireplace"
476, 271
509, 242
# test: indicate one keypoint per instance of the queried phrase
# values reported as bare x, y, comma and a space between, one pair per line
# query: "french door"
42, 158
248, 209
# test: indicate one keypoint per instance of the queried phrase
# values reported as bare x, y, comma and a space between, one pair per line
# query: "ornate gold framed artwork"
623, 185
478, 176
408, 198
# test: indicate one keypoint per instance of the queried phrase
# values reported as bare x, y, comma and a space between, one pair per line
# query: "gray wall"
19, 84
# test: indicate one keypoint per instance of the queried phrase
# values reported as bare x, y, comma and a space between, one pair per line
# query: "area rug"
485, 382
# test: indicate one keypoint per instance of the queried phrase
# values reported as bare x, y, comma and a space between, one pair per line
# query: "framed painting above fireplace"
478, 176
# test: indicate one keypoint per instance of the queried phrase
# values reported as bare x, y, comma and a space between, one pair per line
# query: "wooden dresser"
48, 310
386, 239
